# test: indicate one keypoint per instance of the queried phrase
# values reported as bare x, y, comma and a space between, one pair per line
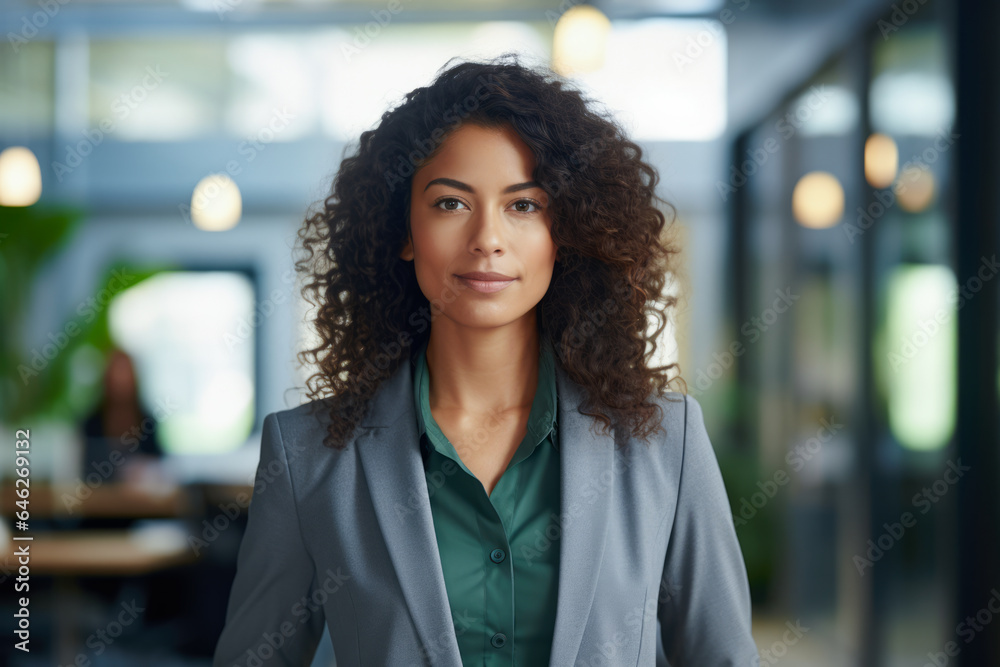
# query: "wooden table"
100, 552
107, 500
66, 555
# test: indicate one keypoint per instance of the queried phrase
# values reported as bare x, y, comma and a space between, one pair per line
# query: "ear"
407, 252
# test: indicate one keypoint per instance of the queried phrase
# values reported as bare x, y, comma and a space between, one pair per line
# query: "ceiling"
773, 45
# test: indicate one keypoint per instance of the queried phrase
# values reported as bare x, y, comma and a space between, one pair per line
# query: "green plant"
28, 237
44, 378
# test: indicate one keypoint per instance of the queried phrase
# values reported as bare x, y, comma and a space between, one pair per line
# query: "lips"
487, 276
485, 282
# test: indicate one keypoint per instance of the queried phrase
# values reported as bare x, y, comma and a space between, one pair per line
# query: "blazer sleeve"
269, 614
704, 601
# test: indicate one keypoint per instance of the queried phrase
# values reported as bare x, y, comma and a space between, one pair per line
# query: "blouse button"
497, 555
498, 640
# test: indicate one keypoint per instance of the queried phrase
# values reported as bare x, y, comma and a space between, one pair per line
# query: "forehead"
472, 152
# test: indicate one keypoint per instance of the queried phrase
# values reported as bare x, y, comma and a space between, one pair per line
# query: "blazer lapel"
390, 456
583, 456
389, 452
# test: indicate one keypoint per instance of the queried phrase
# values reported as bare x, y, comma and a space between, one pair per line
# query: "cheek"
428, 249
538, 261
432, 262
540, 252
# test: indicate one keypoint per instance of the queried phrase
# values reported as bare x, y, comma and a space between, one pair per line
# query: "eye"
528, 202
448, 200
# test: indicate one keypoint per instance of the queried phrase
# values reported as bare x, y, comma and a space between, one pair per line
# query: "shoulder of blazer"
675, 407
663, 455
303, 427
675, 412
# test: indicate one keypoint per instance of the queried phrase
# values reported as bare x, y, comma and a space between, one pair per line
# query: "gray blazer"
650, 566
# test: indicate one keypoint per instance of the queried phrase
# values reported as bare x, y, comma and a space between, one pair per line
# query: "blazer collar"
389, 452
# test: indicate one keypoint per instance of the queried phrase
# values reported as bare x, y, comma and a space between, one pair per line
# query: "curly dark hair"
608, 280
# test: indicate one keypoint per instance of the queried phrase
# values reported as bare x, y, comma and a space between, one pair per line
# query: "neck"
480, 371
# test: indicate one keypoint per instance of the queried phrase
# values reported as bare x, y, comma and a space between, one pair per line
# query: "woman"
484, 271
120, 436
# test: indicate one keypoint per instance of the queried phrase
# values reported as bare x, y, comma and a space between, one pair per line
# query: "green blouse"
499, 552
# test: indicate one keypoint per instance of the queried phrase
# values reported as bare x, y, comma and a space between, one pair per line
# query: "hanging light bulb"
216, 204
881, 160
20, 177
915, 188
580, 40
818, 200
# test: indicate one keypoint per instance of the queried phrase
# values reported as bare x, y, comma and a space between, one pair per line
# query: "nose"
488, 232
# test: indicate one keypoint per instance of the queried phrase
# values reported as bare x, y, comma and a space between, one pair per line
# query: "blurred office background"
834, 169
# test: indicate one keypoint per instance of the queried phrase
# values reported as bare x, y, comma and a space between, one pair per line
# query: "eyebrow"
468, 188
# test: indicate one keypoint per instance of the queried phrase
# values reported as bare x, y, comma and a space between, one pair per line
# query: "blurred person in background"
120, 447
119, 435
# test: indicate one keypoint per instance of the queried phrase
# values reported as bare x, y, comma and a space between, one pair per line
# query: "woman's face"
474, 208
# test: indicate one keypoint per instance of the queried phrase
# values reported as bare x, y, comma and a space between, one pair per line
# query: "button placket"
499, 580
